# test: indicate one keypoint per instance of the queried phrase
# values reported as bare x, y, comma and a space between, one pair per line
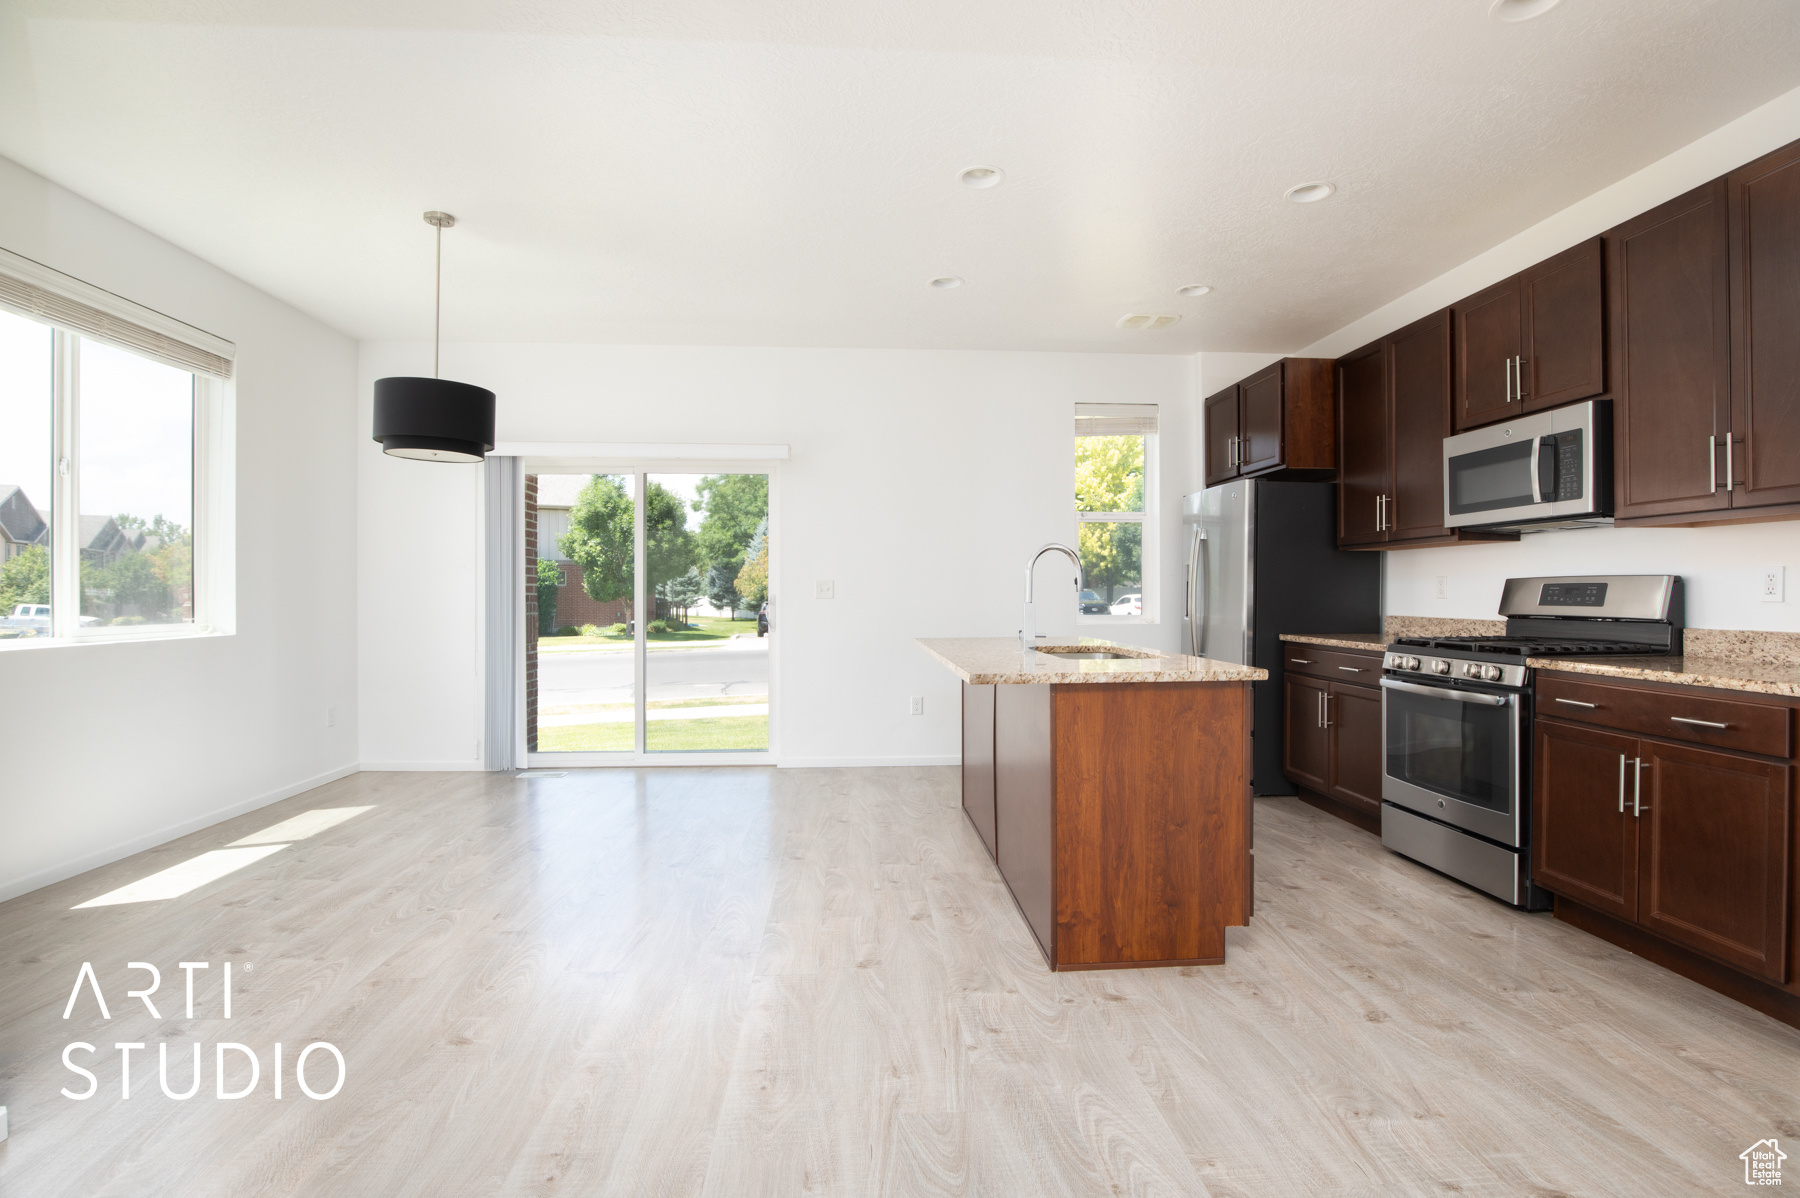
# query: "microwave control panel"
1559, 466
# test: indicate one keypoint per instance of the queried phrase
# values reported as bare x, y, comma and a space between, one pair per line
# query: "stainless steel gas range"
1456, 720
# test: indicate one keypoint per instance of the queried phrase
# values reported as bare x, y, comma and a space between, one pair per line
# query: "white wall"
1718, 564
112, 748
919, 482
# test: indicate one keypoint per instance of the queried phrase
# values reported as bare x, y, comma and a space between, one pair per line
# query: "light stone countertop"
1766, 663
998, 660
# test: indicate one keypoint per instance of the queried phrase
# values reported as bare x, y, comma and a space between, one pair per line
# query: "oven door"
1453, 754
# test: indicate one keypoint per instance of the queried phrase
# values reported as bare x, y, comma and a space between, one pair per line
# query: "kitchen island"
1112, 792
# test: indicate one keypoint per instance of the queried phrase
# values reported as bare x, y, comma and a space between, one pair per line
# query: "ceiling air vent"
1147, 320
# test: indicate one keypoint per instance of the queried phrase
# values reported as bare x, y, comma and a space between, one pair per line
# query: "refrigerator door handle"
1198, 570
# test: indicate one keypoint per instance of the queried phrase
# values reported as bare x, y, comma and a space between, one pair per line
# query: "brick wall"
575, 606
531, 613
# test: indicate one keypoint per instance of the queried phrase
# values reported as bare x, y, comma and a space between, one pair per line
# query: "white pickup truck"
27, 619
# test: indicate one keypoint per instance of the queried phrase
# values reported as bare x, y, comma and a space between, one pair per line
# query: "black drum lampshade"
434, 420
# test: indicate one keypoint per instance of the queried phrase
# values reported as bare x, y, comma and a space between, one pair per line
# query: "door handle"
1730, 474
1509, 380
1319, 714
1325, 706
1681, 719
1579, 703
1621, 784
1351, 669
1637, 787
1300, 661
1519, 378
1712, 463
1445, 692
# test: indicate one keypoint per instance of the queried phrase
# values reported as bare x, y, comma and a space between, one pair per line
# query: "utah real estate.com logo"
243, 1062
1762, 1163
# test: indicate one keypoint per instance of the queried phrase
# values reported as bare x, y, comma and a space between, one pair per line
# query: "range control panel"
1451, 670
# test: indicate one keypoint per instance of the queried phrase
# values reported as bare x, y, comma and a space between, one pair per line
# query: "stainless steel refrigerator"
1262, 559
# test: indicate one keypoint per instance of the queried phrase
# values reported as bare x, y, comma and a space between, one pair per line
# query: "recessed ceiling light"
982, 176
1147, 320
1514, 11
1192, 289
946, 282
1308, 193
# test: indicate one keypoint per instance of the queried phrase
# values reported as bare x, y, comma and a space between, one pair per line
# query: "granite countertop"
991, 660
1766, 663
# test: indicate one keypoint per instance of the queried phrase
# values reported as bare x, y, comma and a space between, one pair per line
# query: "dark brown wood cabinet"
1764, 202
978, 760
1688, 842
1276, 423
1331, 733
1534, 341
1393, 402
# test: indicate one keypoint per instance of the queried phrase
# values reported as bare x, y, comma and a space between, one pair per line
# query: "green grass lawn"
656, 704
732, 734
705, 629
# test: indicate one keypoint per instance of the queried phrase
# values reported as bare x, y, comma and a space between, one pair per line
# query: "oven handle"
1445, 692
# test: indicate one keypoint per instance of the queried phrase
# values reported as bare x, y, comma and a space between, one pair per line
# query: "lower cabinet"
1331, 731
1689, 843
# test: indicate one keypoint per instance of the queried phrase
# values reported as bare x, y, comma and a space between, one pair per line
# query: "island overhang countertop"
1000, 661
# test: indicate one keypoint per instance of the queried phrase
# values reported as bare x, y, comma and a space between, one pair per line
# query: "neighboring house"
104, 542
573, 604
21, 525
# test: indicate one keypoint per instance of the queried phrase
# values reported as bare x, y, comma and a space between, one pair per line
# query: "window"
109, 454
1115, 511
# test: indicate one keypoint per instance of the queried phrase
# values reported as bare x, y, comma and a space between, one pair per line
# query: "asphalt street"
605, 675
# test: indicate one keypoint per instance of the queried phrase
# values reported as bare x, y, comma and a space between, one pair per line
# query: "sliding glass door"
647, 626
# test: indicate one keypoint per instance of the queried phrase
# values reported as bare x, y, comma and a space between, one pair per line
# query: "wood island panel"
1152, 826
1024, 783
978, 761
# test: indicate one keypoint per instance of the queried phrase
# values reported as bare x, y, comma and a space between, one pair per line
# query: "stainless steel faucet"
1028, 628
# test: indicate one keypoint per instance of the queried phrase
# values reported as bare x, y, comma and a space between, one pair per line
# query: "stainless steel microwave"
1548, 470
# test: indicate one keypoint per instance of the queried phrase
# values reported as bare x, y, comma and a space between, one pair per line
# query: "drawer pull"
1351, 669
1300, 661
1681, 719
1577, 703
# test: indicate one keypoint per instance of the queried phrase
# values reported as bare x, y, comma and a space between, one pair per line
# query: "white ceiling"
784, 173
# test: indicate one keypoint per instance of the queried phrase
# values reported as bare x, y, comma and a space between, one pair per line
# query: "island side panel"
1151, 822
1024, 783
978, 760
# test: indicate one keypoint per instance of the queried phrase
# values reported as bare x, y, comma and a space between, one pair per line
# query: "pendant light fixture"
434, 419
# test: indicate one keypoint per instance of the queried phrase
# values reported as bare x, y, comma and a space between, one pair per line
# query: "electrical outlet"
331, 717
1771, 585
823, 589
918, 704
1443, 586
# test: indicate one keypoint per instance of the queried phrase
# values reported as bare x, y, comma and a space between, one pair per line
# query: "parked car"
1092, 604
1128, 605
762, 619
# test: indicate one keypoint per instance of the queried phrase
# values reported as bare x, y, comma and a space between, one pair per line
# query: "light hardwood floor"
751, 982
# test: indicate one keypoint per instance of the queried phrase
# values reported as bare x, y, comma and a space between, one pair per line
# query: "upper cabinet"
1276, 423
1534, 341
1394, 412
1706, 351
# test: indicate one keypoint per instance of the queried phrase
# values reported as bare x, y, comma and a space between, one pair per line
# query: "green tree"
25, 578
1109, 477
549, 577
131, 581
753, 579
681, 593
599, 539
733, 505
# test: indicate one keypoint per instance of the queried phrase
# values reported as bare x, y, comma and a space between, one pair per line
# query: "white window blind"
1115, 419
34, 290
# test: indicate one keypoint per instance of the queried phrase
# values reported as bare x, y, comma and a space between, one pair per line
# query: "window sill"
24, 644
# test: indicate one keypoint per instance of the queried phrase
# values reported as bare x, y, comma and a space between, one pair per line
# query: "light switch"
823, 589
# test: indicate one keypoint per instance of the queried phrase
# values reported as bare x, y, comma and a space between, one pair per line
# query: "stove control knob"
1491, 673
1471, 670
1440, 666
1409, 663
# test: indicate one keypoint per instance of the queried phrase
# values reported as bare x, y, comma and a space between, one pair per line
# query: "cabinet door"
1671, 356
1305, 743
1765, 329
1363, 468
1260, 399
1221, 413
1583, 833
1353, 716
1714, 866
1489, 335
1024, 807
978, 760
1419, 359
1565, 328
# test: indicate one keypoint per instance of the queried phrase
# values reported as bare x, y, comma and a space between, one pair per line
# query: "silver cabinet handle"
1578, 703
1509, 380
1712, 463
1325, 704
1319, 715
1351, 669
1681, 719
1637, 787
1621, 784
1519, 378
1300, 661
1730, 474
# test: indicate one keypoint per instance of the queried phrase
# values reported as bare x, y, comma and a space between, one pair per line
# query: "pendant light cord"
437, 300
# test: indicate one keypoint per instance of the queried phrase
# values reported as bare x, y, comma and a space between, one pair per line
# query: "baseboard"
1344, 811
137, 844
823, 763
426, 767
